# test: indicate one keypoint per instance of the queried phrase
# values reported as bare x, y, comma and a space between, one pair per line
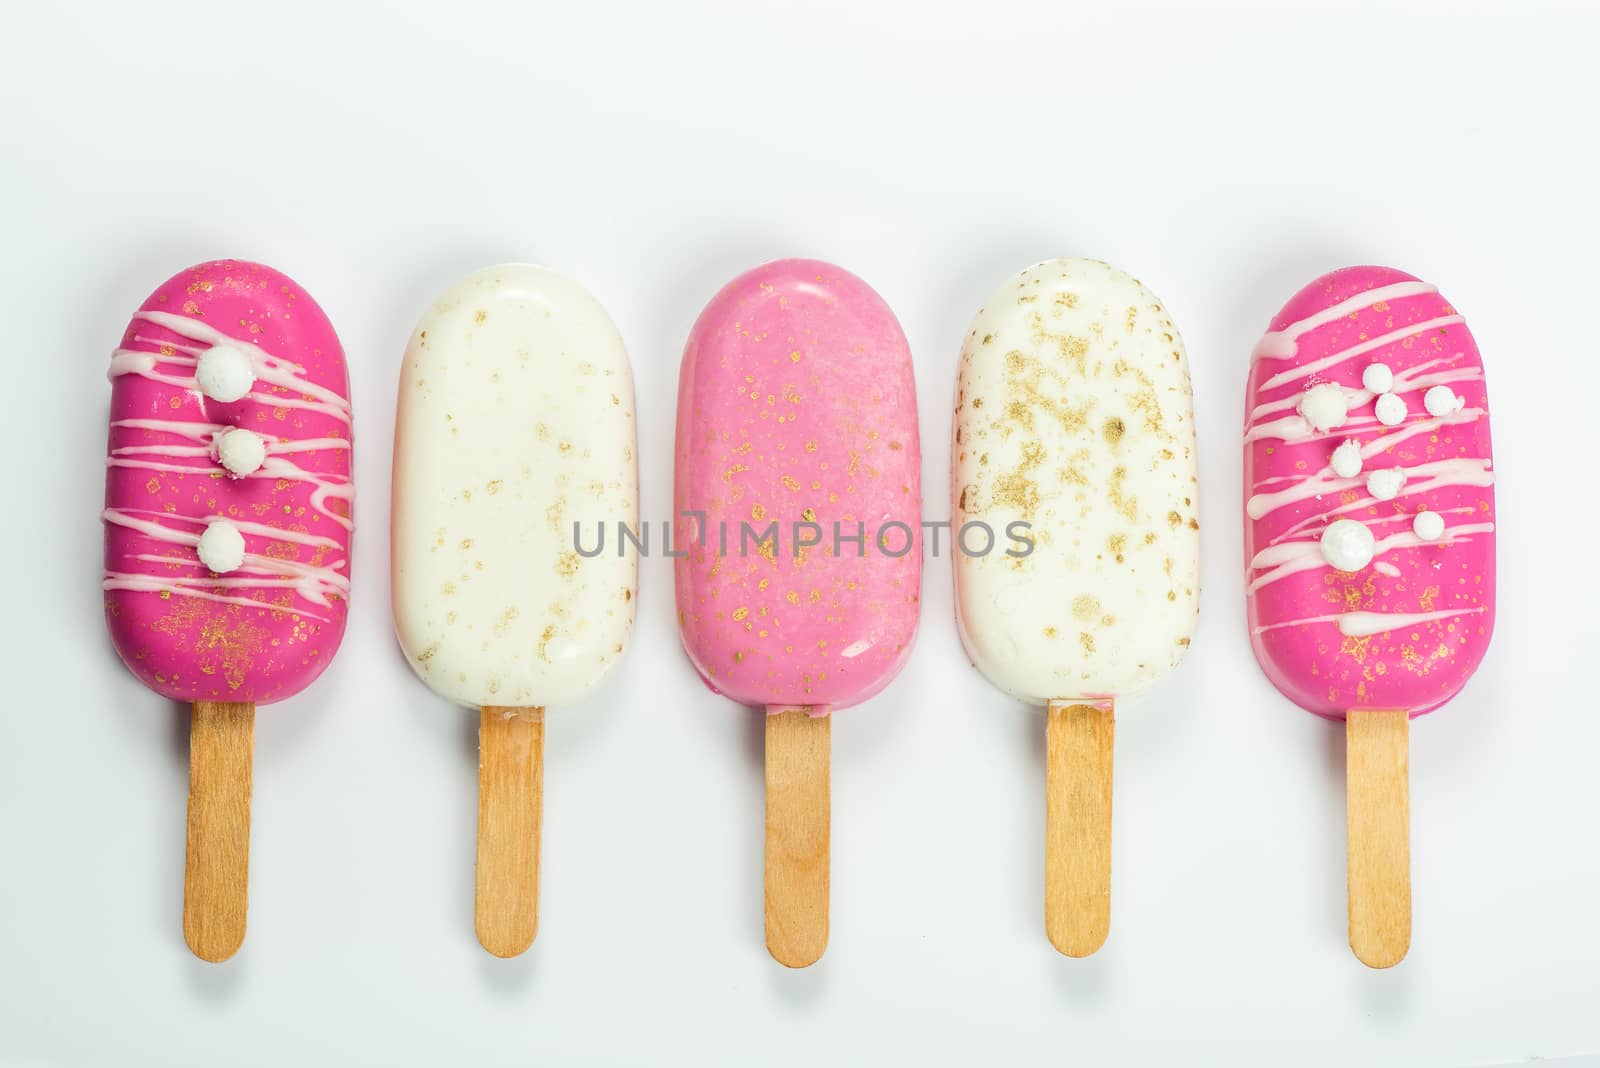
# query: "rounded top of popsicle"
797, 436
227, 566
1399, 617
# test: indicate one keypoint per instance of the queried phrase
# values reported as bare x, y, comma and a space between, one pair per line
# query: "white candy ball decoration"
1324, 406
241, 451
1442, 400
1429, 526
224, 374
1385, 485
1377, 378
1347, 460
1391, 409
1348, 545
221, 547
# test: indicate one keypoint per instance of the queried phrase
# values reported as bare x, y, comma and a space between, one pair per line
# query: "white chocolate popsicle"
514, 430
1074, 430
1074, 416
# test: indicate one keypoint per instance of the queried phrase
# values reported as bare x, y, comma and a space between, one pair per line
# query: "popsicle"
514, 460
228, 523
797, 497
1073, 486
1369, 543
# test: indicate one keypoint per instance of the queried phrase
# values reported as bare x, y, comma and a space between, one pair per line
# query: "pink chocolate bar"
1369, 533
796, 408
228, 489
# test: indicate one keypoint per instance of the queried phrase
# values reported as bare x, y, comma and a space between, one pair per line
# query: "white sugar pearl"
1347, 460
1385, 485
1377, 378
1348, 545
1324, 406
241, 451
1429, 526
1391, 409
224, 374
221, 547
1442, 400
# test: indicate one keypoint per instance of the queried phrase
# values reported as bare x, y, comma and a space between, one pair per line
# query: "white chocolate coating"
1074, 414
515, 421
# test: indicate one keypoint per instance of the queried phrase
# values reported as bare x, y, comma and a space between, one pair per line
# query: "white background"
1224, 153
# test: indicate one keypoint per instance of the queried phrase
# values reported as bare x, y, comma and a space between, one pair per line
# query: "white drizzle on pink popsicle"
1392, 343
1282, 344
1372, 345
1281, 559
1294, 428
271, 468
313, 583
1468, 471
272, 370
1364, 624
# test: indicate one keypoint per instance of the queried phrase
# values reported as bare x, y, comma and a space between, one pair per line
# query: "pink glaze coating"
264, 631
1407, 630
796, 405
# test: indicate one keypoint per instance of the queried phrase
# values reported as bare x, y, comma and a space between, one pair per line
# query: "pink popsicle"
796, 406
228, 522
796, 419
1369, 543
1406, 630
265, 630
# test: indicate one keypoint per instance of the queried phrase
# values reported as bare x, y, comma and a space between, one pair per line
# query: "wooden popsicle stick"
510, 807
1077, 827
798, 828
1378, 821
216, 876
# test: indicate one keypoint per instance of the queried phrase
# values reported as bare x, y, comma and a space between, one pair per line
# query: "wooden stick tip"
1379, 954
802, 955
211, 945
504, 940
1076, 941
